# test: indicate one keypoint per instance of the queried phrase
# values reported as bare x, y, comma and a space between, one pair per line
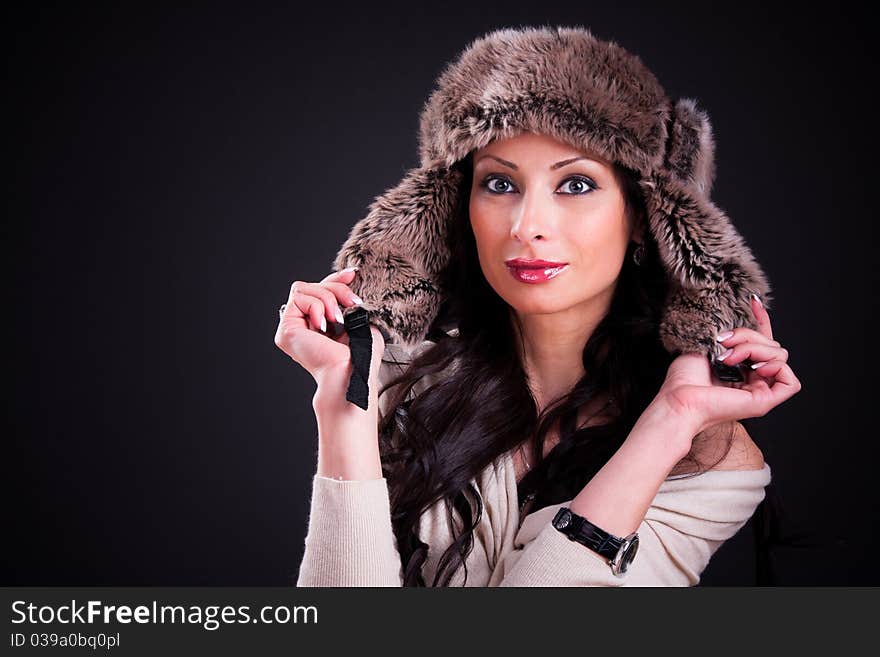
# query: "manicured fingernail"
758, 299
723, 336
339, 317
757, 365
357, 299
324, 324
725, 354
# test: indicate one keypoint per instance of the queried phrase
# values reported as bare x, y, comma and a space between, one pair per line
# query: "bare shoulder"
728, 443
748, 455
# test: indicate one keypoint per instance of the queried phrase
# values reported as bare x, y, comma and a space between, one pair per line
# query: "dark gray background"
173, 171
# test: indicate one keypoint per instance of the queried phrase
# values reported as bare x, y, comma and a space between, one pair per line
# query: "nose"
533, 220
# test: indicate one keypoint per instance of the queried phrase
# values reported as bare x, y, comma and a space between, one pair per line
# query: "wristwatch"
619, 551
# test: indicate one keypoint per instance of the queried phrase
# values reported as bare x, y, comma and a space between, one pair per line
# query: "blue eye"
487, 184
583, 185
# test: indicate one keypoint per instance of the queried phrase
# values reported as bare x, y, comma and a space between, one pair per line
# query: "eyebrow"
553, 167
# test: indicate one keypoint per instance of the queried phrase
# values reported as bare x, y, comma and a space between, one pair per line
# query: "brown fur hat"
598, 97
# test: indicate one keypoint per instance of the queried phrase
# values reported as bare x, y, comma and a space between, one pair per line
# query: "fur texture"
598, 97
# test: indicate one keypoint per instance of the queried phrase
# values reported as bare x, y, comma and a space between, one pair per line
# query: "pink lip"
533, 275
533, 263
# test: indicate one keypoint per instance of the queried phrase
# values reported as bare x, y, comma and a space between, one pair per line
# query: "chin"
536, 302
529, 299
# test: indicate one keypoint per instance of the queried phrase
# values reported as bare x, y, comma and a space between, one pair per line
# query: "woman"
574, 336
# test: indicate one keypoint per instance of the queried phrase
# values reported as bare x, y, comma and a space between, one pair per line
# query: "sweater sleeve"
350, 541
687, 522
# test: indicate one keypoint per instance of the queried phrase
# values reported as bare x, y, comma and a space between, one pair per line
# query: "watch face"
629, 555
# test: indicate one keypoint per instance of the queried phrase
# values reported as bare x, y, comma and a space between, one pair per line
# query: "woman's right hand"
300, 335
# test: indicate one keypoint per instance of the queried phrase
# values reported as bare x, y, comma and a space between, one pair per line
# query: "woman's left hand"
690, 392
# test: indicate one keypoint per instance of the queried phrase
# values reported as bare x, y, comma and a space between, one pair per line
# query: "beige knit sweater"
349, 541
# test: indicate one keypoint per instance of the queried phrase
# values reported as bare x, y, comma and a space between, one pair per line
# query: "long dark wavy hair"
433, 444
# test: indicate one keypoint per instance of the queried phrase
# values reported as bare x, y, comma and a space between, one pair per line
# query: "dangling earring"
638, 254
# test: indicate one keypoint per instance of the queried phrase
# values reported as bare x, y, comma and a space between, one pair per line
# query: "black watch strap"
577, 528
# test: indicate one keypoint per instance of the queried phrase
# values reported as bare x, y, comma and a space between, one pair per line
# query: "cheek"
599, 243
487, 228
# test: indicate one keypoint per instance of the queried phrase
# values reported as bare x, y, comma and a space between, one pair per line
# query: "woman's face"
531, 198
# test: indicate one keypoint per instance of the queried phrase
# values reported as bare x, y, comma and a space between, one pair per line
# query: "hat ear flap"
690, 155
400, 248
711, 269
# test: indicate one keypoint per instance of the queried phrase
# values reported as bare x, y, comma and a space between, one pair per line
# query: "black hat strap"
360, 342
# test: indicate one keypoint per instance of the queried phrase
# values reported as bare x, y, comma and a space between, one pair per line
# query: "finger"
292, 317
334, 295
784, 385
762, 317
331, 295
346, 274
312, 308
744, 334
753, 351
343, 294
293, 313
